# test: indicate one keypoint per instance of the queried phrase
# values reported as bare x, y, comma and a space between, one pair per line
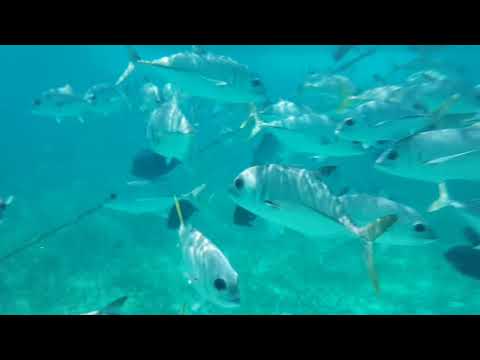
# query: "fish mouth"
232, 192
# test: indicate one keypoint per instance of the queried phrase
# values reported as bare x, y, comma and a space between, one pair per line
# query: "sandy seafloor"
57, 171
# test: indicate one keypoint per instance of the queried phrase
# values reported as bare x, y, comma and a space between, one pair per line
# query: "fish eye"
239, 183
392, 155
256, 82
419, 227
349, 122
220, 284
37, 102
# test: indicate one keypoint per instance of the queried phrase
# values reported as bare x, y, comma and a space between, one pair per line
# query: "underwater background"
55, 171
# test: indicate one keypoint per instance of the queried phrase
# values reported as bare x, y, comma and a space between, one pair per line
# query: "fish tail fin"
133, 54
196, 192
370, 233
444, 108
253, 121
133, 59
344, 104
9, 200
114, 306
443, 199
375, 229
346, 99
179, 212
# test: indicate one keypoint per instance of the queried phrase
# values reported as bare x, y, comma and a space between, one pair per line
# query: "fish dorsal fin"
197, 191
114, 306
215, 81
132, 54
445, 107
66, 90
344, 191
444, 159
198, 49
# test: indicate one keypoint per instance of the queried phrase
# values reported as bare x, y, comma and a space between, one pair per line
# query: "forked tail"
369, 234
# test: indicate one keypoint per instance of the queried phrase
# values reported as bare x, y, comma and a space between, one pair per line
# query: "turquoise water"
56, 171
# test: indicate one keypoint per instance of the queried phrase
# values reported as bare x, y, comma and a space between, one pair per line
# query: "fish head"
101, 98
355, 129
279, 111
245, 188
152, 96
45, 105
412, 228
222, 280
421, 231
55, 103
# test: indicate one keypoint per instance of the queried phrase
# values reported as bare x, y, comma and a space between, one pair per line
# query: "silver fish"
207, 268
410, 229
202, 74
61, 103
302, 131
106, 99
299, 200
435, 156
169, 132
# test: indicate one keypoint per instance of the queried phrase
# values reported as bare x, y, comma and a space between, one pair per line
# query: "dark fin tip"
327, 170
471, 235
173, 222
243, 217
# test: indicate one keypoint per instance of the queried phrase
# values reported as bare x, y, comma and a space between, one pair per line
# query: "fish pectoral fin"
126, 74
215, 81
382, 123
272, 204
58, 119
81, 119
444, 159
